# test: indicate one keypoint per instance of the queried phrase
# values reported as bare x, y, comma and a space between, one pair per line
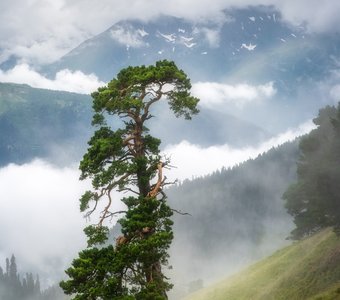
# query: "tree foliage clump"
314, 200
128, 159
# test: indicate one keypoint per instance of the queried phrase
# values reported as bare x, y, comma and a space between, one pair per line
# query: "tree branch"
180, 213
157, 186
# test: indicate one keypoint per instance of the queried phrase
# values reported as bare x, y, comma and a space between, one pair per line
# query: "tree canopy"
127, 159
314, 200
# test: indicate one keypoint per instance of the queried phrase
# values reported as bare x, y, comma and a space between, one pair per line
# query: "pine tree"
30, 284
37, 286
128, 160
314, 200
7, 268
13, 269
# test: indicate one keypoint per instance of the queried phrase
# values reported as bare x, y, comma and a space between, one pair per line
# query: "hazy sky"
39, 217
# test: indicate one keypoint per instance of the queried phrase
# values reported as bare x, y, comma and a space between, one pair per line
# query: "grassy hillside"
309, 269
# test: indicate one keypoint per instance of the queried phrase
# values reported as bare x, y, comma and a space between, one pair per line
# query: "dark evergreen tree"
314, 200
7, 267
54, 293
37, 286
128, 159
13, 269
12, 288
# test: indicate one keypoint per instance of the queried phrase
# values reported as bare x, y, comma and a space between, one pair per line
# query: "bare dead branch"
180, 213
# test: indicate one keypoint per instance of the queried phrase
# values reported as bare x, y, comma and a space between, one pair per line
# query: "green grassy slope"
309, 269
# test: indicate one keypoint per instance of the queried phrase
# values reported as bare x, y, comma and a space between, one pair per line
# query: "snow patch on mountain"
178, 40
170, 38
186, 39
249, 47
190, 45
142, 32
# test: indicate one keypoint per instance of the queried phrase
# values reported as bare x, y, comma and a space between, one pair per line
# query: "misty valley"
183, 151
233, 217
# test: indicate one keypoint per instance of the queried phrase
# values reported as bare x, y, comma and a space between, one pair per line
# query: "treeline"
12, 287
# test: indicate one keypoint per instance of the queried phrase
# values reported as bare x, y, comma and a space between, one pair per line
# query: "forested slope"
236, 216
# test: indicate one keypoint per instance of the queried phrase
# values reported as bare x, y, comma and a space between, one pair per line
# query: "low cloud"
40, 215
40, 221
128, 36
212, 36
193, 161
213, 94
65, 80
39, 218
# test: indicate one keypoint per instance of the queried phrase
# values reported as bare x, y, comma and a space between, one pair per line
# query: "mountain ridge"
253, 46
34, 120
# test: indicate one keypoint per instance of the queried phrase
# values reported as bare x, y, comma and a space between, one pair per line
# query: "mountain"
236, 217
42, 123
308, 269
209, 50
57, 125
245, 46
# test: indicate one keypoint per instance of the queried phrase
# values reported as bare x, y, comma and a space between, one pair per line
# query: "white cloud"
194, 161
39, 218
335, 92
128, 36
213, 93
318, 16
40, 221
65, 80
212, 36
39, 30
